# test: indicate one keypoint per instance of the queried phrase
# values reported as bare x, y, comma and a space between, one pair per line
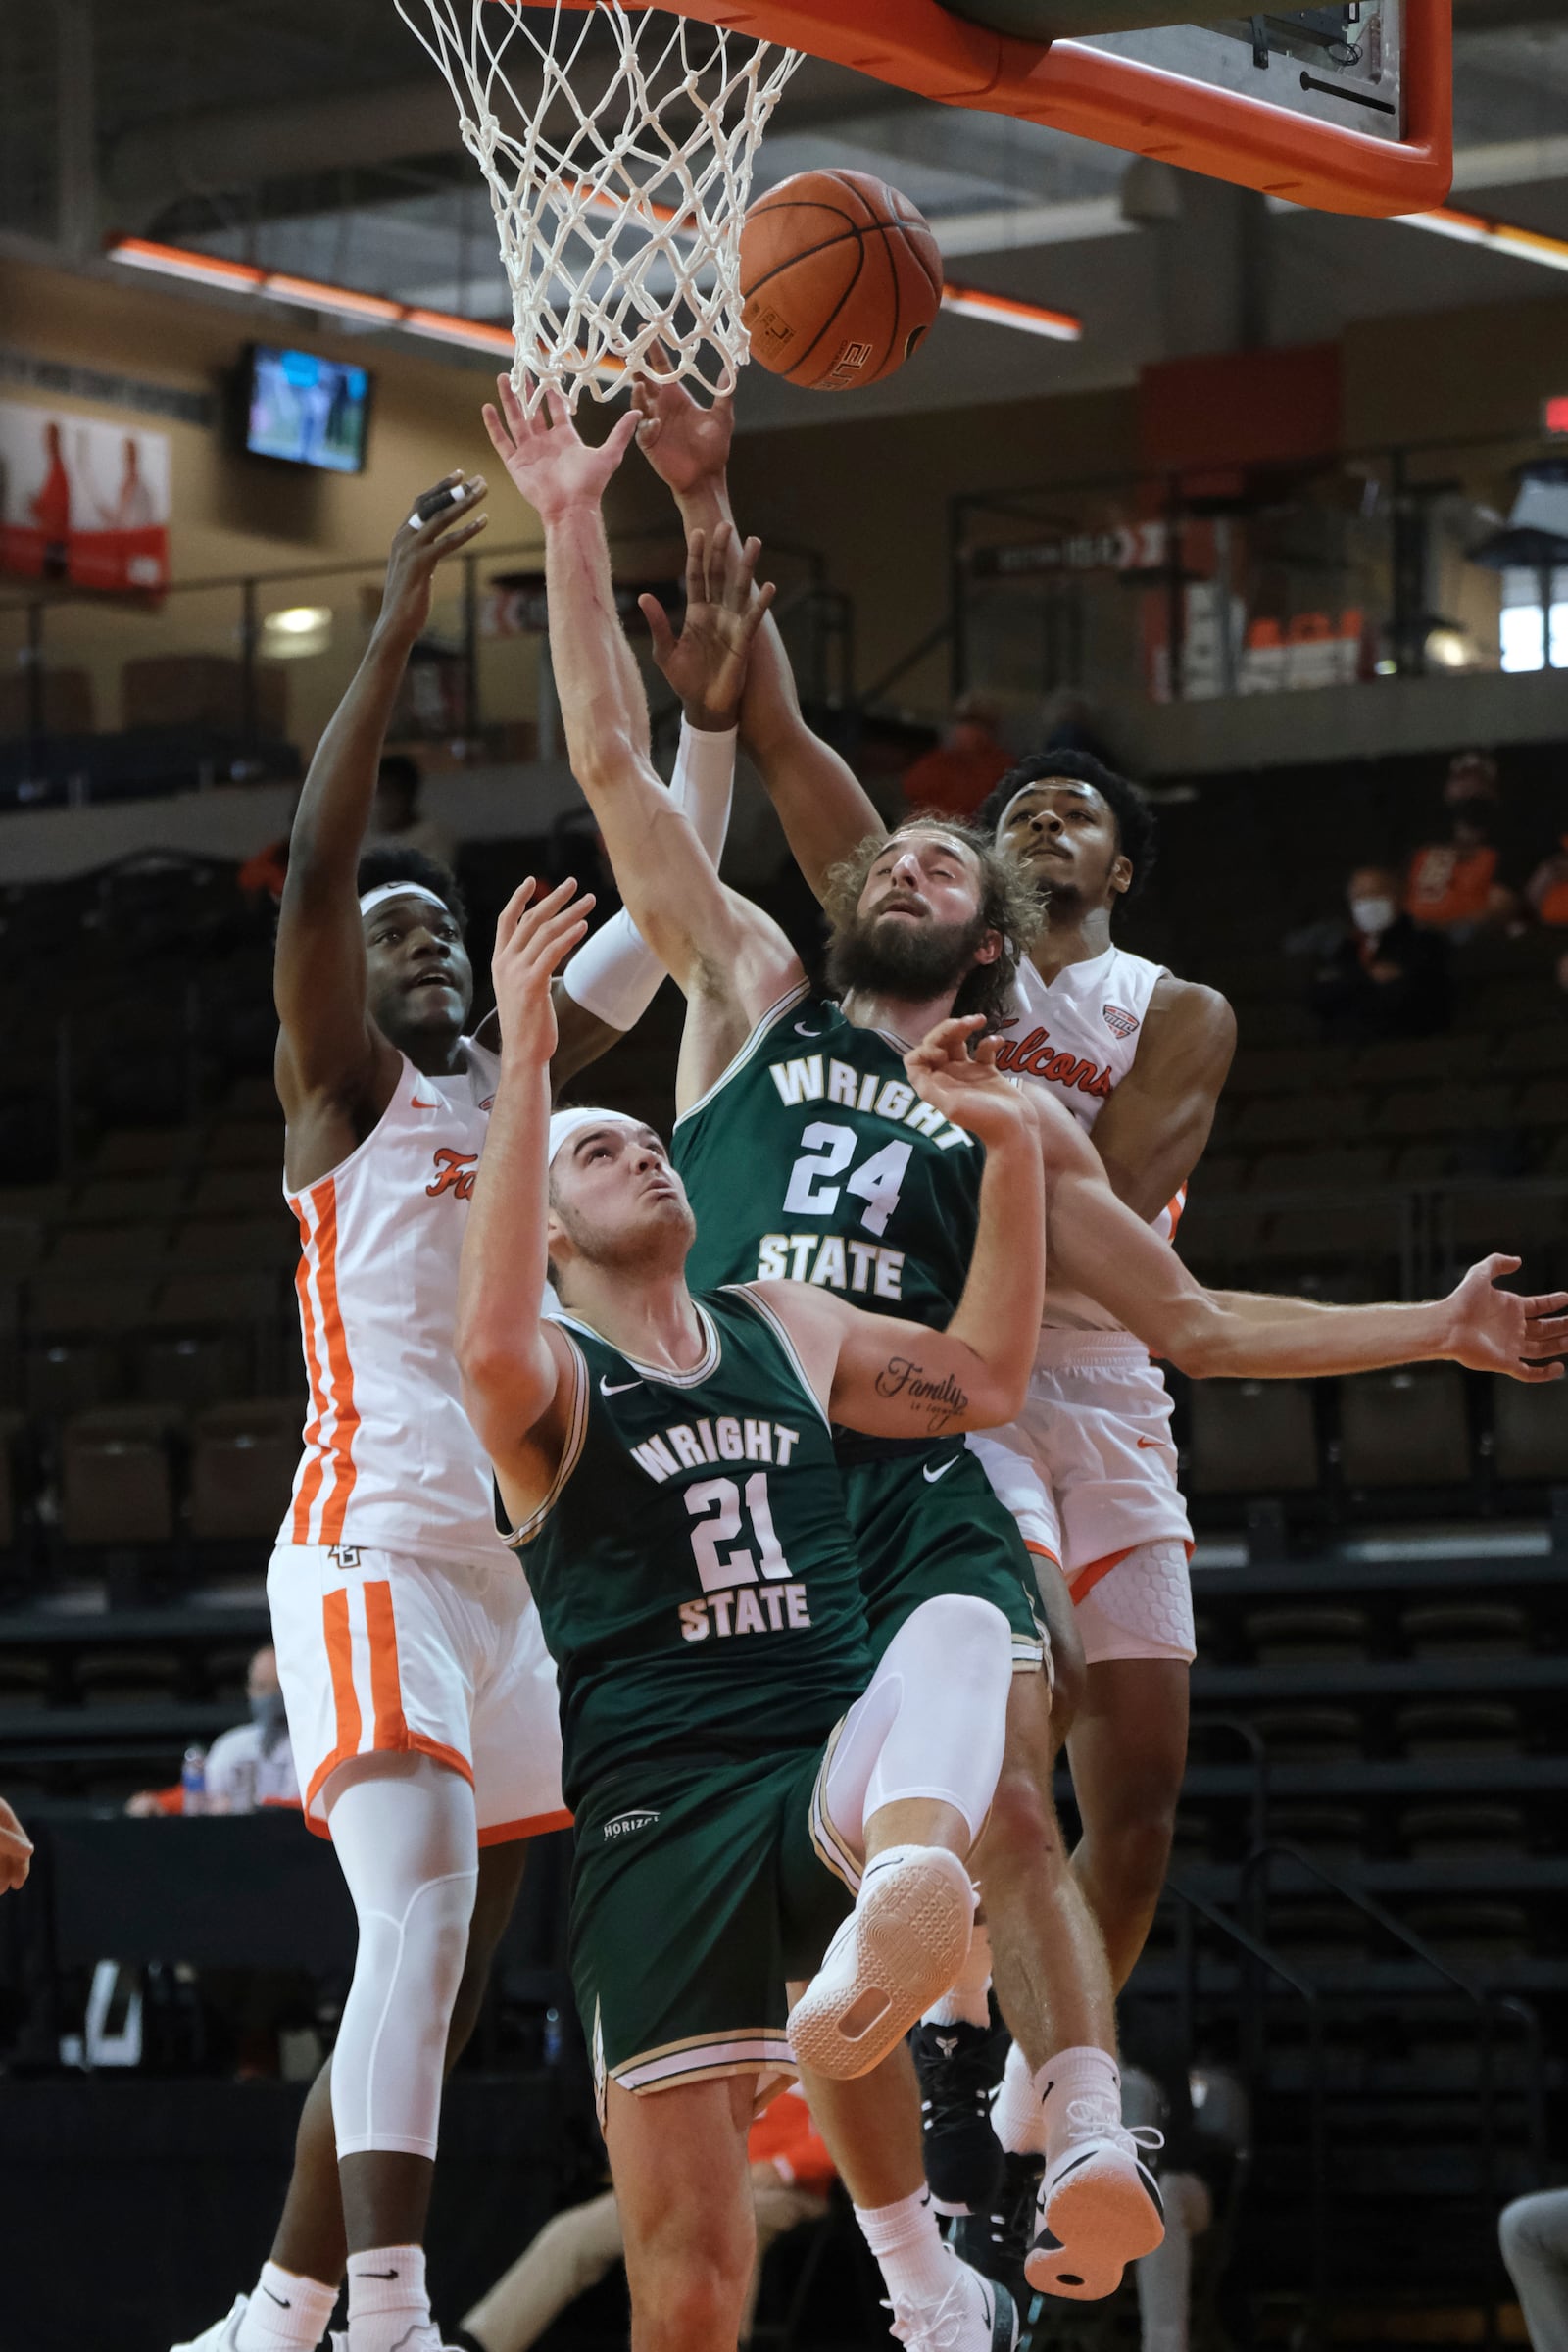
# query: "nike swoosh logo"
282, 2301
418, 1105
620, 1389
931, 1476
1157, 1444
377, 2274
801, 1030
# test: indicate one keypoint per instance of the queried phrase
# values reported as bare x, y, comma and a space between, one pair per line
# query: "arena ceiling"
318, 138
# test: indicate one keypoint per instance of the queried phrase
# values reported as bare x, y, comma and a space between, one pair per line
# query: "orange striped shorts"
380, 1653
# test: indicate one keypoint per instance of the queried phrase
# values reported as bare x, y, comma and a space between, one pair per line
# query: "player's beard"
887, 957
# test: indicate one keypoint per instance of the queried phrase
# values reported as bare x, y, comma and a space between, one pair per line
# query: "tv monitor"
306, 410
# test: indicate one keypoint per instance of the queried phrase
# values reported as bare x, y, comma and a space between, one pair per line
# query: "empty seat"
1438, 1728
114, 1247
24, 1681
21, 1244
1408, 1061
1252, 1436
118, 1482
1433, 1832
1528, 1053
237, 1192
1465, 1629
1347, 1168
1544, 1103
1427, 1162
81, 1305
1215, 1236
1310, 1118
1283, 1069
1473, 1935
237, 1243
1404, 1428
146, 1150
252, 1098
1355, 1231
214, 1302
1529, 1429
116, 1677
11, 1429
242, 1469
126, 1199
1221, 1173
1318, 1634
247, 1144
1453, 1109
1506, 1217
1331, 1834
192, 1369
68, 1376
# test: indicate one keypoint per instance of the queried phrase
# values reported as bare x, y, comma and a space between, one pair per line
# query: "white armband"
616, 975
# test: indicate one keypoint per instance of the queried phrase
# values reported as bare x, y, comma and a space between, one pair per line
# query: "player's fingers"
466, 489
501, 440
511, 407
1494, 1269
986, 1050
618, 442
658, 628
757, 610
512, 913
1533, 1375
1549, 1302
455, 540
697, 569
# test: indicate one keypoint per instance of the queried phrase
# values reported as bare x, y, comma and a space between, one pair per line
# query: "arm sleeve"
614, 975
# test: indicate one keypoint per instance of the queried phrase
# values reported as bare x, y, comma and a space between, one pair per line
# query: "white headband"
400, 890
564, 1124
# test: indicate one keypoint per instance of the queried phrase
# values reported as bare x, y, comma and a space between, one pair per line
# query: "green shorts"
689, 1916
930, 1523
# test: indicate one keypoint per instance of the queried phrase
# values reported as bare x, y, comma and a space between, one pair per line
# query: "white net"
617, 149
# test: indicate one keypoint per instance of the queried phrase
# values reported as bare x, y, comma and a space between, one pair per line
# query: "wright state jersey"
692, 1565
814, 1159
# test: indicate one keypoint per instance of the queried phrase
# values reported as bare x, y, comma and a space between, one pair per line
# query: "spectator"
1378, 975
1532, 2233
1070, 728
1453, 885
1546, 890
792, 2172
252, 1765
15, 1851
959, 772
397, 821
1157, 2091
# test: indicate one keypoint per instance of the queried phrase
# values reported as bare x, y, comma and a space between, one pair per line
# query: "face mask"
267, 1713
1372, 915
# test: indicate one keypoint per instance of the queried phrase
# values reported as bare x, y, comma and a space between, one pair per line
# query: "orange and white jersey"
1077, 1036
390, 1458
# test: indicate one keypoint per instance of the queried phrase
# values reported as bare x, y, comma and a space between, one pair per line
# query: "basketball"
840, 279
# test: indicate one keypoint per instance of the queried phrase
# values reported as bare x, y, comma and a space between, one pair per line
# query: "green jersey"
692, 1564
814, 1159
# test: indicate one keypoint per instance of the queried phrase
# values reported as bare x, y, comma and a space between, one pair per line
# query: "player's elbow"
998, 1395
1200, 1339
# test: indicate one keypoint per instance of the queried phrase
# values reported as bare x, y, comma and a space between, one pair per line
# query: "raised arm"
718, 946
328, 1045
1100, 1245
895, 1379
512, 1364
823, 810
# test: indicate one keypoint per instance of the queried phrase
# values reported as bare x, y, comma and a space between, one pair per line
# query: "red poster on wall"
83, 502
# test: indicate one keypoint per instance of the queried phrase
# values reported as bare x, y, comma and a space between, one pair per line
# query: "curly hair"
1137, 828
386, 862
1008, 905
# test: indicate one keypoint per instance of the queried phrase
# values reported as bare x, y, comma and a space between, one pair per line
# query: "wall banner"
81, 501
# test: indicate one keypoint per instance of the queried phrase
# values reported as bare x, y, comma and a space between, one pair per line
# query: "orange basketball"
840, 278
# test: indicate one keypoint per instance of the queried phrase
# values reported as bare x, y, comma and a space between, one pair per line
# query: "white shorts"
1089, 1470
380, 1653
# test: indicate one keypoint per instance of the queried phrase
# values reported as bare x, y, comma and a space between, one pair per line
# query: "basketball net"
618, 199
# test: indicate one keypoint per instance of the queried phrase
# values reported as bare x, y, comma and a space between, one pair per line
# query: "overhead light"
1503, 236
307, 293
1448, 647
297, 631
1004, 309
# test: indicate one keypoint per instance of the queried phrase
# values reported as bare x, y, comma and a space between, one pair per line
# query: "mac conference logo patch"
1119, 1021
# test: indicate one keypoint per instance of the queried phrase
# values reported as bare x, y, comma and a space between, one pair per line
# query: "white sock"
389, 2307
1017, 2112
285, 2313
915, 2265
1073, 2075
966, 2003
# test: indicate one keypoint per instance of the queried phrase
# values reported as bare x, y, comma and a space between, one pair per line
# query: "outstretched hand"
531, 939
15, 1851
686, 445
548, 458
968, 1088
706, 662
419, 546
1499, 1331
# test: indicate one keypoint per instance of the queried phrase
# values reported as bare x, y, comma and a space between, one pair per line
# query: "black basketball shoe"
960, 2067
996, 2241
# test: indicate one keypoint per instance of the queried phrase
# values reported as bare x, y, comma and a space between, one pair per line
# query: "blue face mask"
267, 1715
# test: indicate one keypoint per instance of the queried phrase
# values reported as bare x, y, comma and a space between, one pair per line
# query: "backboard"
1348, 108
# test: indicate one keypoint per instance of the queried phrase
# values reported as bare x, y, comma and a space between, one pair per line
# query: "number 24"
829, 1150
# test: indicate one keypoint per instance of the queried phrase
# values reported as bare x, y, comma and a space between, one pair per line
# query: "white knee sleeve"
406, 1843
933, 1720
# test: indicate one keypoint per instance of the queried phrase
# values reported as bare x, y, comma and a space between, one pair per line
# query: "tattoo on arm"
939, 1400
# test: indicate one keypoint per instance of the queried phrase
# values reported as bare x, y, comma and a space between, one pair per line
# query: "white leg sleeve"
616, 975
406, 1840
932, 1721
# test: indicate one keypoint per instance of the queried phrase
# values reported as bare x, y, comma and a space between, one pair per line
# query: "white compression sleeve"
932, 1721
614, 975
406, 1840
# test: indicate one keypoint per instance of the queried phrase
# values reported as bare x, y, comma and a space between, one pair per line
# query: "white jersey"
391, 1460
242, 1772
1077, 1036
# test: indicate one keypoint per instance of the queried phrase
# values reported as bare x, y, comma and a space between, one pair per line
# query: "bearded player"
922, 922
421, 1699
